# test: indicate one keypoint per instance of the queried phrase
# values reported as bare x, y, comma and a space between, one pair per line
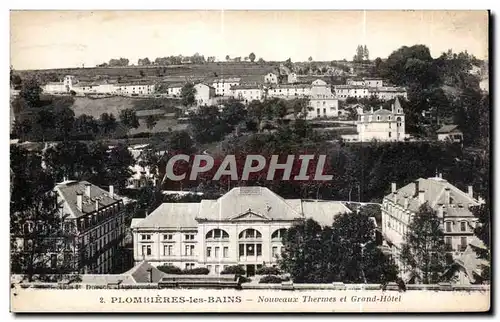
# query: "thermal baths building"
244, 226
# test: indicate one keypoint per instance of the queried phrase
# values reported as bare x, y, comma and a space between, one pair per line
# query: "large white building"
247, 92
323, 107
289, 91
452, 205
381, 125
245, 226
204, 94
223, 85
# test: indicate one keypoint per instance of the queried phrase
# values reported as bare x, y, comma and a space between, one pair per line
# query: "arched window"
378, 117
278, 234
217, 234
250, 233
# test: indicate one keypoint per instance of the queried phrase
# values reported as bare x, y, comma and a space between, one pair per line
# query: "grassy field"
246, 70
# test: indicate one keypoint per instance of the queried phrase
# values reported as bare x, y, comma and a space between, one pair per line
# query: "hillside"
249, 72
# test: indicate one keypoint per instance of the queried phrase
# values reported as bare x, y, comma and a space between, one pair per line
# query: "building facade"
382, 124
271, 78
223, 86
245, 226
450, 133
323, 107
94, 222
452, 206
388, 93
204, 94
247, 93
289, 91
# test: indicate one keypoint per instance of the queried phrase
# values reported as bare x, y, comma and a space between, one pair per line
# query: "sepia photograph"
292, 161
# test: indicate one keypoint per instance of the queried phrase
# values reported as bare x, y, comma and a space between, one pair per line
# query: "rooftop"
435, 195
448, 128
68, 191
242, 203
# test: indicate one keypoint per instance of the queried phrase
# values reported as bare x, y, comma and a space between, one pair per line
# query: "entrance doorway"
250, 270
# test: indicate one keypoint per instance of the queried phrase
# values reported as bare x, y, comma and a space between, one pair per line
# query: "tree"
143, 62
483, 232
107, 122
366, 54
261, 60
180, 142
303, 252
345, 251
228, 58
188, 94
128, 117
233, 113
30, 92
118, 163
151, 121
141, 72
252, 57
15, 79
423, 252
310, 59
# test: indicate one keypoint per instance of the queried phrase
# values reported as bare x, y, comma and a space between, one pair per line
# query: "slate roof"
447, 128
172, 215
68, 191
434, 194
137, 274
324, 212
238, 202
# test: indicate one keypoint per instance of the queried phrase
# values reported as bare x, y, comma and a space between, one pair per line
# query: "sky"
59, 39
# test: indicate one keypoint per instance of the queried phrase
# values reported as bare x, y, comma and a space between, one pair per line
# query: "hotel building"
245, 226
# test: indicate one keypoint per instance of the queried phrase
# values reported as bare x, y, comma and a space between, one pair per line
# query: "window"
146, 250
250, 233
217, 234
189, 265
463, 243
189, 250
463, 226
53, 260
448, 244
209, 251
145, 237
167, 250
168, 237
217, 267
189, 237
216, 253
390, 133
275, 252
209, 267
250, 250
278, 234
242, 250
225, 252
448, 226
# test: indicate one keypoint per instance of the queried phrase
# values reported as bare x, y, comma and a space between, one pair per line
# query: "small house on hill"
450, 133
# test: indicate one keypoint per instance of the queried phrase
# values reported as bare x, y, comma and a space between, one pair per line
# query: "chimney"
417, 187
150, 271
111, 191
470, 192
392, 108
97, 205
79, 201
393, 187
406, 202
421, 197
447, 198
87, 189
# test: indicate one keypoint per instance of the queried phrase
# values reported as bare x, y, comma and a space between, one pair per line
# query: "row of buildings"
324, 98
246, 225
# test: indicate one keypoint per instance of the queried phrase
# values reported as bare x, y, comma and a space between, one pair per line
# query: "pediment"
249, 216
